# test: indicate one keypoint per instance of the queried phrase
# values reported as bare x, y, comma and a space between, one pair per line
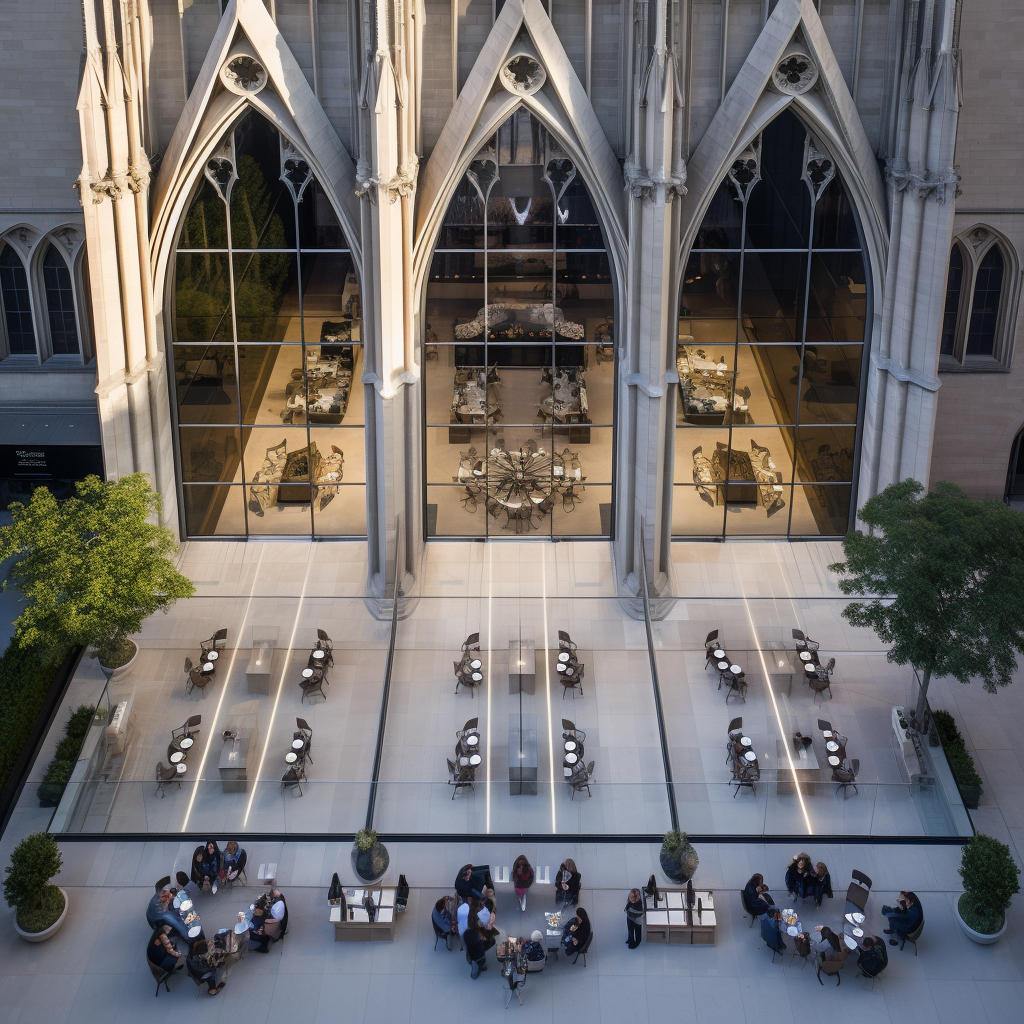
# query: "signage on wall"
51, 462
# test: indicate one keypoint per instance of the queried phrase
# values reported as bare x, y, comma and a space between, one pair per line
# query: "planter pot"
681, 865
982, 938
971, 796
46, 932
125, 669
370, 865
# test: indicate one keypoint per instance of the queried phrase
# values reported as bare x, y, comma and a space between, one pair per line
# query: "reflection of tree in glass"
205, 224
202, 305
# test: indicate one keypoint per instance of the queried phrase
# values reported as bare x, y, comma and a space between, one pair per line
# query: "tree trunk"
922, 697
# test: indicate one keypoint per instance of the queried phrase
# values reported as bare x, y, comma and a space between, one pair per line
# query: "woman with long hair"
522, 878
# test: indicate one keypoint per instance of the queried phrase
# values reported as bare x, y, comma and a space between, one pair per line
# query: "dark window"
981, 333
60, 304
954, 282
21, 338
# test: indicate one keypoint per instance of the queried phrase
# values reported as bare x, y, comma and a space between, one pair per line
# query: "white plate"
475, 759
826, 733
809, 669
735, 670
750, 755
475, 664
855, 918
318, 655
177, 756
570, 745
833, 760
805, 655
472, 740
719, 653
858, 932
792, 930
746, 741
181, 768
571, 758
212, 656
194, 931
477, 676
307, 673
563, 656
291, 757
186, 742
851, 942
831, 745
208, 667
723, 665
185, 906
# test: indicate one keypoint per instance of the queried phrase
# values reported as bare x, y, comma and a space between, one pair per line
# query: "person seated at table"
476, 951
798, 874
576, 932
474, 881
161, 951
259, 940
522, 878
462, 914
818, 884
904, 917
534, 948
771, 929
161, 911
828, 946
206, 866
567, 883
756, 897
873, 956
277, 914
204, 961
232, 861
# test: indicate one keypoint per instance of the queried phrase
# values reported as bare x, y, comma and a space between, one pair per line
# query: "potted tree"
92, 567
369, 857
990, 881
678, 858
40, 906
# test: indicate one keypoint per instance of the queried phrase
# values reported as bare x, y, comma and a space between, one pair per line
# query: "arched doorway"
519, 353
266, 356
771, 348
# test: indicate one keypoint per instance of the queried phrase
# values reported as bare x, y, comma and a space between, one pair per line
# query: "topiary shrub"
961, 764
58, 771
990, 881
35, 860
78, 724
55, 781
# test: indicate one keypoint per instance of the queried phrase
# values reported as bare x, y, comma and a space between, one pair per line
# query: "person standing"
522, 878
634, 919
567, 883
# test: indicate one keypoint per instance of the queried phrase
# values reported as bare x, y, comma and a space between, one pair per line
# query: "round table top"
855, 918
291, 757
809, 668
298, 744
177, 756
735, 669
827, 733
831, 745
833, 760
307, 673
477, 676
792, 930
569, 670
472, 739
475, 759
476, 663
805, 655
464, 761
745, 740
750, 755
723, 665
181, 767
185, 742
571, 758
560, 667
241, 927
213, 655
194, 931
718, 652
208, 667
570, 745
318, 655
563, 656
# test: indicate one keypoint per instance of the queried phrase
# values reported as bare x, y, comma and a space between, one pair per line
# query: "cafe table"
189, 915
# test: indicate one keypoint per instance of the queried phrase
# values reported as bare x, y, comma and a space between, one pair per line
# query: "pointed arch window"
770, 349
980, 303
266, 351
16, 302
519, 350
60, 304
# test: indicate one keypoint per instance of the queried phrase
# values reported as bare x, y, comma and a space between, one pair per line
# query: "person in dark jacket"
205, 961
476, 949
576, 932
797, 874
522, 879
161, 951
756, 897
567, 883
473, 882
771, 929
634, 919
904, 917
874, 957
819, 884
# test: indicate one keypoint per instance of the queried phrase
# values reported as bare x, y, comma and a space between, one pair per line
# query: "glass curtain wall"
519, 353
267, 354
770, 349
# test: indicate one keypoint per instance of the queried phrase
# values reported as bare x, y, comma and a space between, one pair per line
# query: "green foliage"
674, 841
366, 839
78, 724
35, 860
961, 764
25, 678
55, 781
68, 748
39, 918
92, 567
981, 919
989, 874
948, 573
945, 725
59, 770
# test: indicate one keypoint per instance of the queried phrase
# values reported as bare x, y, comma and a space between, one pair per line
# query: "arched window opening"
951, 309
519, 352
267, 348
988, 287
770, 348
17, 307
60, 304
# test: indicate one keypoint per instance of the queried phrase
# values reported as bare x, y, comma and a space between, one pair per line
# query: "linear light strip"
547, 678
280, 685
490, 680
223, 692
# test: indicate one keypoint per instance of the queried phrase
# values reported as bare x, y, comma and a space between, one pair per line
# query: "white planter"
46, 932
120, 673
982, 938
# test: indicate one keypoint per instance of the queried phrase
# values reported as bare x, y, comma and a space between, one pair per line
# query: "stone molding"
939, 185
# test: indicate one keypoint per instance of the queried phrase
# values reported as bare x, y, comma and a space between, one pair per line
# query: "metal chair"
294, 777
460, 779
565, 641
819, 685
804, 642
582, 952
845, 777
188, 676
315, 684
737, 685
711, 640
163, 976
581, 781
735, 728
831, 967
472, 642
570, 732
572, 682
197, 681
164, 777
216, 642
857, 895
911, 936
307, 736
471, 725
745, 775
182, 879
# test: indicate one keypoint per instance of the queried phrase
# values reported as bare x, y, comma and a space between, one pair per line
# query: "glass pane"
773, 295
329, 287
454, 454
262, 211
835, 223
590, 447
821, 510
721, 226
696, 513
579, 511
347, 442
779, 208
267, 297
578, 227
60, 304
334, 389
770, 451
825, 453
454, 511
265, 375
210, 455
831, 383
464, 219
438, 380
206, 223
21, 336
837, 304
340, 511
951, 308
319, 227
213, 511
710, 285
707, 378
205, 384
757, 510
278, 465
202, 299
988, 284
766, 380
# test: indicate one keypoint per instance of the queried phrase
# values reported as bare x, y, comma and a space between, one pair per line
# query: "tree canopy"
945, 574
92, 567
